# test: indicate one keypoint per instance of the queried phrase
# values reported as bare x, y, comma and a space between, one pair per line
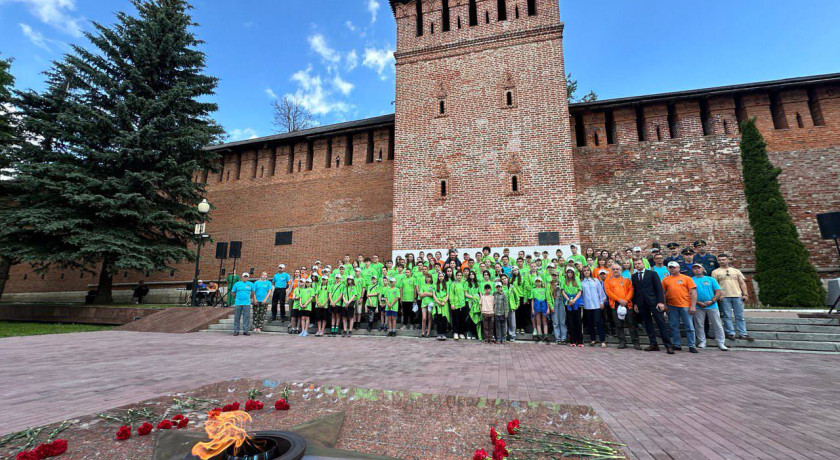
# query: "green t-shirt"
336, 291
571, 290
305, 295
373, 297
430, 289
457, 294
322, 298
539, 293
406, 286
579, 258
351, 293
392, 294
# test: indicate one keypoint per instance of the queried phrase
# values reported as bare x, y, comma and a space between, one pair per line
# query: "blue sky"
337, 55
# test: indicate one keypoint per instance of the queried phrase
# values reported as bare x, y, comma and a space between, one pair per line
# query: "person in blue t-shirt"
281, 281
243, 297
708, 293
659, 266
262, 292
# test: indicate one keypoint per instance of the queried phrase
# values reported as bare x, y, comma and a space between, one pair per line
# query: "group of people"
495, 297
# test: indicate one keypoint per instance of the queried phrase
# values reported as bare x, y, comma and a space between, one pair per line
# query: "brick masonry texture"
582, 170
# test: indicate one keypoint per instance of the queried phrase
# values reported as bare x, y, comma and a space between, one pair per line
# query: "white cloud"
242, 134
312, 94
319, 44
379, 60
342, 85
351, 61
34, 36
55, 13
350, 26
373, 8
270, 93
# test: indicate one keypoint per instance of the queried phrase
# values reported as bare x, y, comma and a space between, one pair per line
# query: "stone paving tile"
737, 405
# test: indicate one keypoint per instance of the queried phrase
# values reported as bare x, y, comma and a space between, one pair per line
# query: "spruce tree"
8, 140
120, 132
785, 276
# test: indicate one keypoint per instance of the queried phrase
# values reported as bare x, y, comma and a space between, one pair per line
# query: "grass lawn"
15, 329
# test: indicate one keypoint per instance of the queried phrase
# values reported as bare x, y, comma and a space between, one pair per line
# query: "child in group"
392, 305
488, 314
441, 307
473, 295
427, 300
306, 294
383, 284
322, 304
501, 308
458, 304
539, 310
348, 313
570, 289
408, 297
336, 303
372, 300
294, 309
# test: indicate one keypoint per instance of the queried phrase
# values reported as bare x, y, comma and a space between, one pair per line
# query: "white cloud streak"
379, 60
270, 93
312, 94
240, 134
56, 13
343, 86
351, 61
373, 9
318, 44
37, 38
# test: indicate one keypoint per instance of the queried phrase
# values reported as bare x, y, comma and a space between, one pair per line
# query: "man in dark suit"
649, 300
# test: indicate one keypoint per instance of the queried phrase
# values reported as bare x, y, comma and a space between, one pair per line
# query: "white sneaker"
723, 347
702, 345
456, 336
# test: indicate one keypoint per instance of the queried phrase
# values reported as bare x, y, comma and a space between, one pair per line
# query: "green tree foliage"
8, 140
571, 89
785, 276
105, 179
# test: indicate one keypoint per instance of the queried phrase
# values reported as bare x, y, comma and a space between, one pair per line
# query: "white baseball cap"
621, 312
246, 274
636, 248
673, 263
281, 266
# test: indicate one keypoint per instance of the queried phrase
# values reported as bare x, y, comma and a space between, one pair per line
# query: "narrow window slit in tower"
473, 14
443, 189
532, 7
419, 17
799, 121
514, 184
640, 123
509, 98
445, 16
502, 9
777, 110
706, 118
815, 108
658, 133
609, 122
580, 132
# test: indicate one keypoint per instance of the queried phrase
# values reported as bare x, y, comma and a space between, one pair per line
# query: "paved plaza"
713, 405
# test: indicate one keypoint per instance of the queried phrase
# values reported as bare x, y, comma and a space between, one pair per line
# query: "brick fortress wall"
683, 180
477, 108
265, 188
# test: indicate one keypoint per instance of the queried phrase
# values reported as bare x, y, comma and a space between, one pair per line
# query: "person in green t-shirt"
426, 295
322, 303
458, 304
408, 298
473, 294
539, 310
348, 312
441, 307
336, 302
392, 305
372, 300
513, 304
578, 258
305, 294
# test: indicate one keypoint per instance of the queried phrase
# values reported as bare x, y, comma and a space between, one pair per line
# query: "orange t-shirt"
596, 272
618, 289
678, 290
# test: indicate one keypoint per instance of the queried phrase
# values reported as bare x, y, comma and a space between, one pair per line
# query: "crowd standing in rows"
496, 298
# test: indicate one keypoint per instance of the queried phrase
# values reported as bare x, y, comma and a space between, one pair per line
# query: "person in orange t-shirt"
680, 297
620, 294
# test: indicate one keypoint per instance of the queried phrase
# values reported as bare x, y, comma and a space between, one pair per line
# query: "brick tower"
483, 145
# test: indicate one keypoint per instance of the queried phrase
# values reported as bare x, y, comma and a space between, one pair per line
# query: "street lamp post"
203, 209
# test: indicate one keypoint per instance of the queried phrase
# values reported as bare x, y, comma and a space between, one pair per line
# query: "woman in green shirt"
427, 301
336, 303
539, 310
348, 313
458, 303
473, 295
520, 313
322, 303
408, 296
372, 301
441, 307
305, 294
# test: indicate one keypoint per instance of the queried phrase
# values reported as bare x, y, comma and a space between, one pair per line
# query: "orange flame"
224, 429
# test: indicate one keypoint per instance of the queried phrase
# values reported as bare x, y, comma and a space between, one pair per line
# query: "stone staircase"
770, 333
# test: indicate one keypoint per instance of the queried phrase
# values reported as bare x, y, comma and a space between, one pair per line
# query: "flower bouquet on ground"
530, 443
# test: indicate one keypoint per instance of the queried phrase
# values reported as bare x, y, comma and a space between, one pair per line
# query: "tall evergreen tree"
106, 181
8, 140
785, 276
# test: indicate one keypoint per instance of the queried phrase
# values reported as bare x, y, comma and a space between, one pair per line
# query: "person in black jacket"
649, 300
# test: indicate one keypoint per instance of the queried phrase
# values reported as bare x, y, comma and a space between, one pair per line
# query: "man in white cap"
681, 299
637, 254
281, 283
708, 294
243, 292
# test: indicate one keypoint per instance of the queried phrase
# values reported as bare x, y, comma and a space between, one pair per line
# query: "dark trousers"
629, 321
279, 296
523, 316
649, 315
487, 327
459, 320
440, 324
573, 325
594, 324
406, 312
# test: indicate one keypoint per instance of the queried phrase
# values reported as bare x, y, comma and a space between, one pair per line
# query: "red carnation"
281, 404
480, 454
231, 407
144, 429
164, 425
252, 404
501, 446
123, 433
53, 449
498, 455
28, 455
178, 417
182, 423
493, 435
513, 427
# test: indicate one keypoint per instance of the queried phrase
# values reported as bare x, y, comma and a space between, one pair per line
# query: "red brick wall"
331, 211
480, 143
688, 188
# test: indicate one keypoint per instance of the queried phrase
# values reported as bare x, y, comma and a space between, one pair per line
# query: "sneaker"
455, 337
536, 337
678, 348
235, 333
730, 336
246, 333
300, 334
304, 334
580, 345
670, 350
349, 333
622, 346
652, 348
592, 343
545, 339
637, 346
723, 347
603, 344
747, 338
693, 350
343, 333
